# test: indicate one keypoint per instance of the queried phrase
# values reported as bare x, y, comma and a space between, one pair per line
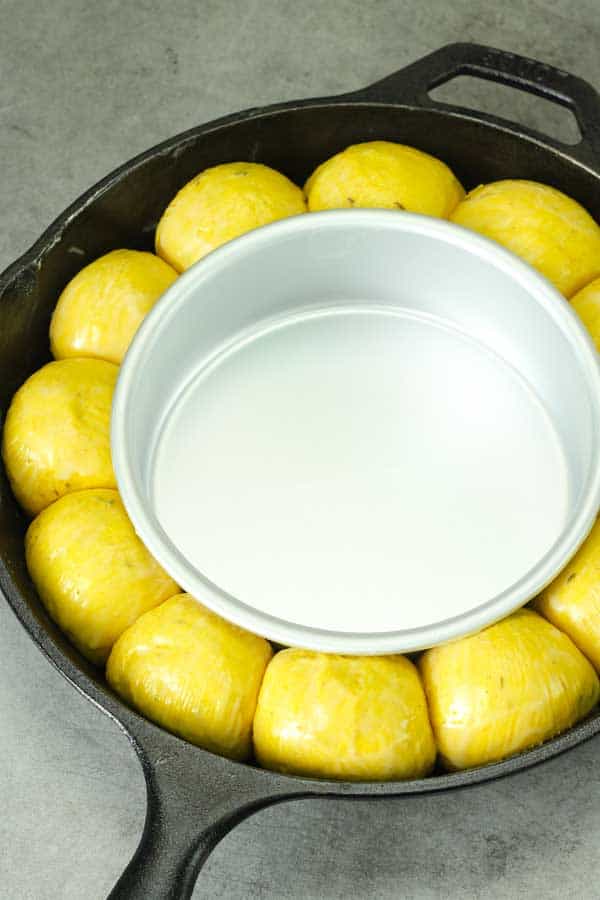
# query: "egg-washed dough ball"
220, 204
57, 432
508, 688
103, 306
540, 224
586, 304
572, 600
384, 175
354, 718
192, 672
92, 572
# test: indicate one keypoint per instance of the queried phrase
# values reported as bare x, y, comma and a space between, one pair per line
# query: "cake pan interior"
360, 431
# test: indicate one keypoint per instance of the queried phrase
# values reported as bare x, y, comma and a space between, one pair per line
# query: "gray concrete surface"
84, 86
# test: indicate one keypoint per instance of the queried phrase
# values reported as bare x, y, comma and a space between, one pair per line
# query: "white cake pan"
360, 431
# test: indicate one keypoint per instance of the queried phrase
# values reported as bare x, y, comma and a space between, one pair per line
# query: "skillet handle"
413, 83
193, 800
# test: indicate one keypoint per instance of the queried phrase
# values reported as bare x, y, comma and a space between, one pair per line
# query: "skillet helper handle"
413, 83
193, 800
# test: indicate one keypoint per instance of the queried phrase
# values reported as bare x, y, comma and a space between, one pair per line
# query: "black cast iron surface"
194, 798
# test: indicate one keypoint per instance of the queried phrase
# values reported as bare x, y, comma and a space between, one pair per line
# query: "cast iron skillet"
194, 798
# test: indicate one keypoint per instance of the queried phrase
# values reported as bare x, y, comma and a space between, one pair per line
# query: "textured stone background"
83, 87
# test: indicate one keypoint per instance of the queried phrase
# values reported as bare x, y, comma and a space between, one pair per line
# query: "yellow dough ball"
92, 572
384, 175
572, 600
193, 673
220, 204
586, 304
356, 718
510, 687
57, 432
103, 306
543, 226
